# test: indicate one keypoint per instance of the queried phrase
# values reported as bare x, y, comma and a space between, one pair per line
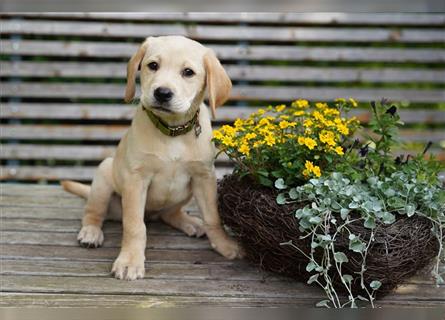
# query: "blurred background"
63, 76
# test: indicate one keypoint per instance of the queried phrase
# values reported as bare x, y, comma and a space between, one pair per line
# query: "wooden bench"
63, 76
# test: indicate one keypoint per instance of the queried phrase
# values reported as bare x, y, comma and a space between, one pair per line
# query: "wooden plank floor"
42, 264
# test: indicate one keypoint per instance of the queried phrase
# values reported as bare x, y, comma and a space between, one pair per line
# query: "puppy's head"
175, 73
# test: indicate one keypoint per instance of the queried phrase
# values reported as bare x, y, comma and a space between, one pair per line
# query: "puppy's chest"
169, 186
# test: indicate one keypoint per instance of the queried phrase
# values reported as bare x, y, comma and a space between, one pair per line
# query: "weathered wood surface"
85, 111
112, 132
329, 18
221, 32
90, 49
239, 92
236, 72
42, 265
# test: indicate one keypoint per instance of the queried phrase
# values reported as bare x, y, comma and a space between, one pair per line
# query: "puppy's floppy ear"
132, 68
217, 81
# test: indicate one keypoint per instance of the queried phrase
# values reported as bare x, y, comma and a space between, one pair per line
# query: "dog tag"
197, 129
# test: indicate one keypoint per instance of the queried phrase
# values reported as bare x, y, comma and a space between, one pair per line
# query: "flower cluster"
299, 140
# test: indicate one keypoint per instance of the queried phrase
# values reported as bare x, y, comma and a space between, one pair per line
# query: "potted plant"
317, 197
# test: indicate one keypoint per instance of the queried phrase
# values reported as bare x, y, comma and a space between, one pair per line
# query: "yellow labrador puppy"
165, 158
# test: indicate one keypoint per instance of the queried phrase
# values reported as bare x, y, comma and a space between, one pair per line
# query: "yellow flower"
342, 129
318, 116
244, 149
284, 117
263, 121
320, 105
228, 130
339, 150
260, 112
270, 140
238, 123
228, 141
286, 124
316, 170
331, 112
308, 142
327, 137
280, 107
301, 103
310, 168
328, 123
309, 165
353, 102
217, 134
250, 136
299, 113
308, 123
340, 100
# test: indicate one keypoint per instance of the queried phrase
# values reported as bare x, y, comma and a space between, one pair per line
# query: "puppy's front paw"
229, 248
193, 227
128, 267
90, 236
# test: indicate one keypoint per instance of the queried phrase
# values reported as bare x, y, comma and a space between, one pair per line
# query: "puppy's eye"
187, 72
153, 66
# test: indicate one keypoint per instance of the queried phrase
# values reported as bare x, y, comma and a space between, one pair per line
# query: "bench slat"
243, 93
255, 73
126, 112
227, 52
206, 32
98, 152
31, 173
329, 18
115, 132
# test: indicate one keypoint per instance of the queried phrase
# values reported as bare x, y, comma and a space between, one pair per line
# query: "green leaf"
313, 278
410, 210
347, 278
310, 266
344, 213
315, 220
375, 285
340, 257
362, 298
281, 198
299, 213
265, 181
264, 173
370, 223
293, 194
323, 303
388, 218
279, 184
357, 245
353, 205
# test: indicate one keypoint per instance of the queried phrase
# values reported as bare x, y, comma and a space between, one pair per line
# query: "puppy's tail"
82, 190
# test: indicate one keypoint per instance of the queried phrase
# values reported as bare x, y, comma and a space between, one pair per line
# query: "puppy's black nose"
163, 94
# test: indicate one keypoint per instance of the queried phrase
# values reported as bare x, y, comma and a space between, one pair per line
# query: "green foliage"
368, 186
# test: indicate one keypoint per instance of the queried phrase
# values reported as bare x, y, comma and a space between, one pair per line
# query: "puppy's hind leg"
178, 219
91, 235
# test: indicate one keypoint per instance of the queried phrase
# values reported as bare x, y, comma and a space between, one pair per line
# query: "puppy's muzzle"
163, 94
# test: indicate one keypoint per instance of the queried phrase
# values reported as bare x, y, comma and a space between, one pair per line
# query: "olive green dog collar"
174, 131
